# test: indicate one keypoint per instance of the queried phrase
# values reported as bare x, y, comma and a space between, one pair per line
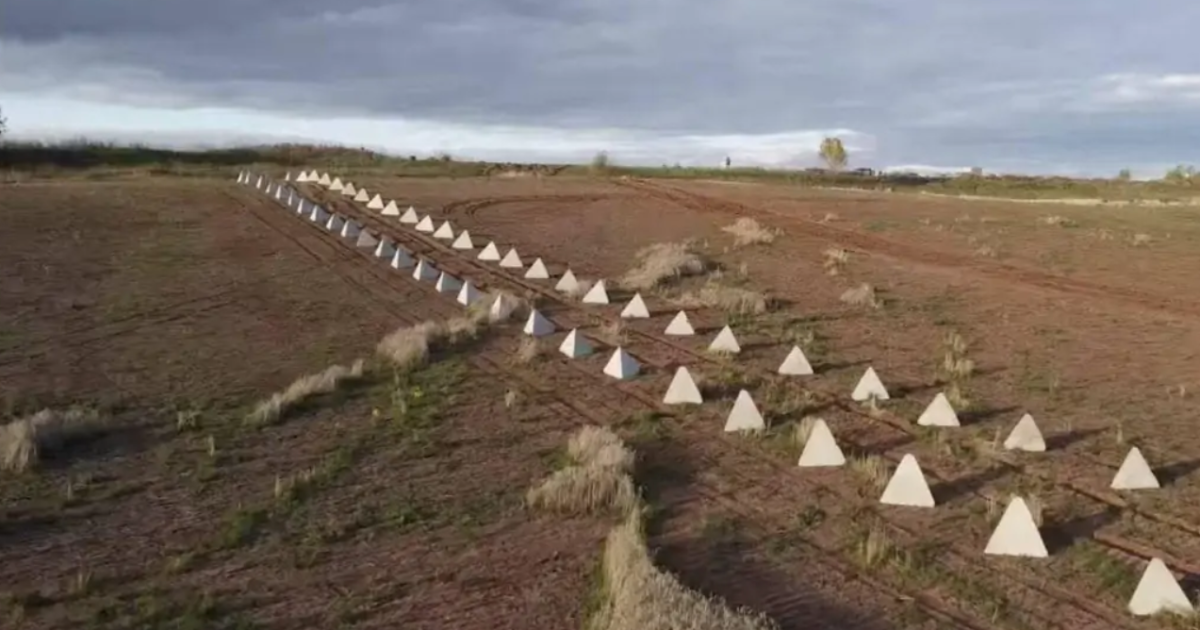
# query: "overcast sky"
1070, 86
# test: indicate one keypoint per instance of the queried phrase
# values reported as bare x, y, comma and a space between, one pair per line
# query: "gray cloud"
935, 81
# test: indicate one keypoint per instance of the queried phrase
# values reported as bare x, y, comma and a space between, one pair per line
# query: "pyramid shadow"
662, 467
946, 491
908, 389
1060, 536
830, 366
884, 446
758, 345
1063, 440
1170, 474
978, 416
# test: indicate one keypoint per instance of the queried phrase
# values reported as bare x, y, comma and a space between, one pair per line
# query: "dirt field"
173, 305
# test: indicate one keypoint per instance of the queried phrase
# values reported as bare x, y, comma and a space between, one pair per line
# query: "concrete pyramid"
621, 365
351, 229
597, 294
490, 252
302, 177
259, 184
567, 283
1016, 534
410, 216
907, 486
745, 415
362, 195
241, 176
1026, 436
683, 390
291, 198
324, 181
279, 193
503, 306
366, 239
463, 242
1159, 592
337, 184
425, 224
444, 231
376, 203
820, 449
267, 190
575, 346
287, 177
680, 326
725, 342
318, 216
349, 190
512, 260
447, 283
300, 206
402, 260
537, 325
537, 271
1135, 473
636, 309
468, 294
385, 249
335, 223
795, 364
939, 413
390, 210
869, 386
425, 271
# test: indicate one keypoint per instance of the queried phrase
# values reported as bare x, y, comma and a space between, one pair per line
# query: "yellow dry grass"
862, 295
660, 263
747, 231
274, 408
528, 350
24, 441
597, 480
734, 300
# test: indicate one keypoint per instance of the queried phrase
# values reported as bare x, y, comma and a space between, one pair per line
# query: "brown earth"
151, 297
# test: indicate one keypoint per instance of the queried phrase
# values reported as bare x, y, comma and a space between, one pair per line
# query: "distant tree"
833, 152
1124, 175
1180, 174
3, 123
728, 162
600, 163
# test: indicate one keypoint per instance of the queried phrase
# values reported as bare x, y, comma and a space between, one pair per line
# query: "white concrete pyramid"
318, 216
1159, 592
385, 249
463, 242
468, 294
680, 326
300, 206
512, 260
907, 486
376, 203
868, 387
490, 252
335, 223
425, 224
621, 365
1135, 473
447, 283
683, 390
567, 283
260, 182
425, 271
337, 184
745, 415
390, 210
279, 193
725, 342
1017, 533
410, 216
362, 195
537, 325
349, 190
241, 176
351, 229
267, 190
939, 413
366, 239
1026, 436
302, 177
402, 260
503, 306
820, 449
444, 231
596, 295
291, 198
324, 181
575, 346
636, 309
287, 177
795, 364
537, 271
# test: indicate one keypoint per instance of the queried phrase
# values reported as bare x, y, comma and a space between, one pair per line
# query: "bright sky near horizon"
1070, 87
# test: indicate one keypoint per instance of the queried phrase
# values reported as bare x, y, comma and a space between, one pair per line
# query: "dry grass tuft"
801, 431
732, 300
409, 346
638, 596
747, 231
1140, 239
1056, 220
613, 333
862, 295
274, 408
530, 349
597, 481
836, 260
875, 547
871, 468
24, 441
660, 263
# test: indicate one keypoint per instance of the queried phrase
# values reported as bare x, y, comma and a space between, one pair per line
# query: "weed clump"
23, 442
327, 381
747, 231
597, 480
660, 263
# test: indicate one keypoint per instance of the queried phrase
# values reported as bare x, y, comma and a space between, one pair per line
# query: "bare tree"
834, 154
